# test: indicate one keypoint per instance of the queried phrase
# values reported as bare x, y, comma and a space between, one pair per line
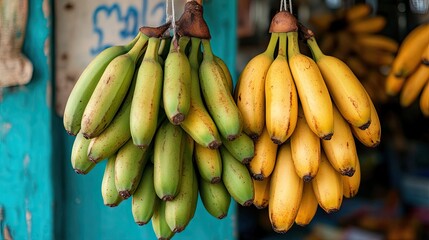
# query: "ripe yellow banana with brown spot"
414, 85
262, 164
308, 206
281, 98
424, 101
345, 89
262, 192
285, 191
371, 136
351, 184
250, 93
208, 163
312, 91
370, 24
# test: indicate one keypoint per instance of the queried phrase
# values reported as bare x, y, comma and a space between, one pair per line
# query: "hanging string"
281, 5
173, 21
290, 6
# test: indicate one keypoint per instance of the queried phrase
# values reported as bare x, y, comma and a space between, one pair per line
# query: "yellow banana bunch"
250, 93
312, 91
285, 191
281, 99
262, 164
414, 85
306, 150
328, 186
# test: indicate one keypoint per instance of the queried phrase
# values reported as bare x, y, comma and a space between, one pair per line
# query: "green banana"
79, 158
111, 197
215, 197
177, 82
167, 160
242, 148
209, 163
198, 123
144, 198
217, 96
110, 91
236, 178
147, 97
86, 83
178, 210
159, 223
228, 78
129, 165
116, 134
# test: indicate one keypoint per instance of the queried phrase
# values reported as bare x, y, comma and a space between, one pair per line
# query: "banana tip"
222, 216
111, 204
214, 145
258, 177
247, 160
349, 172
125, 194
178, 229
307, 178
80, 172
167, 198
247, 203
69, 132
215, 180
327, 136
141, 223
177, 119
365, 126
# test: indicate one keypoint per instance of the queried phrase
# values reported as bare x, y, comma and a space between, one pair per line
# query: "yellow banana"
377, 41
328, 187
371, 136
144, 198
176, 93
345, 89
250, 93
129, 165
262, 192
110, 91
111, 197
209, 163
159, 223
215, 197
228, 78
198, 123
218, 99
312, 91
351, 184
262, 164
85, 85
242, 148
308, 206
306, 150
281, 99
178, 211
236, 179
414, 85
424, 100
425, 55
413, 45
370, 24
167, 161
376, 57
341, 149
79, 158
147, 97
285, 191
394, 84
358, 11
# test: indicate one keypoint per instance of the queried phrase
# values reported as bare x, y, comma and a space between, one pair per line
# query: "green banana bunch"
147, 96
242, 148
87, 82
215, 197
236, 178
198, 123
177, 82
217, 96
159, 223
144, 198
178, 211
110, 91
111, 197
79, 159
129, 165
209, 163
168, 149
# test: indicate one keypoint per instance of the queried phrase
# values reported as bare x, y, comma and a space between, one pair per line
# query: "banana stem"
152, 49
136, 50
293, 47
208, 54
282, 44
193, 55
272, 44
133, 42
183, 42
315, 50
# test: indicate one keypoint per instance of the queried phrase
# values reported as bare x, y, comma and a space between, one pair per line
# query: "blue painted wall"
40, 195
26, 188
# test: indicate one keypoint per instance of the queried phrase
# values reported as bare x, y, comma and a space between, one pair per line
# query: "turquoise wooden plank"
26, 193
85, 216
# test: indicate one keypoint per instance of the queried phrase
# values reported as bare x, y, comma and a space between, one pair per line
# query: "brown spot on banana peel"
247, 203
125, 194
349, 172
283, 22
215, 180
214, 145
365, 126
178, 118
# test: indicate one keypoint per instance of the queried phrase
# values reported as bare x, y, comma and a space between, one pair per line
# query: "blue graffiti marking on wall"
129, 20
